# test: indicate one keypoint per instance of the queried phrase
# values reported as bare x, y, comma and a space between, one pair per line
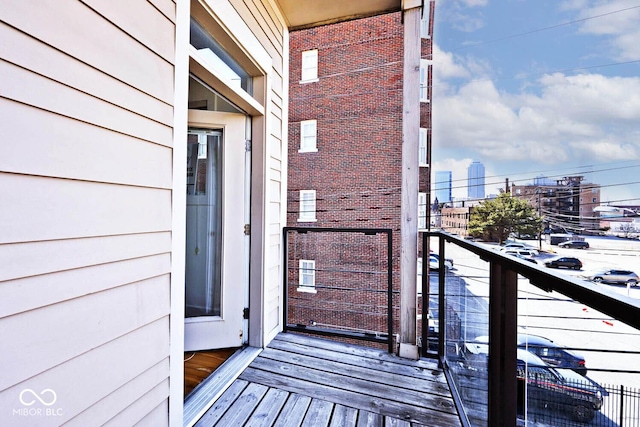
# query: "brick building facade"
344, 162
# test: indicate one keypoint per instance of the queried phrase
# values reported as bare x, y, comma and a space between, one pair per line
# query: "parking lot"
607, 344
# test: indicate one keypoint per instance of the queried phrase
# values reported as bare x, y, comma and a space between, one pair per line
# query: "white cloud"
618, 20
566, 118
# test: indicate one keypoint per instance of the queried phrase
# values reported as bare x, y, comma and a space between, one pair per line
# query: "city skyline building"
443, 186
475, 180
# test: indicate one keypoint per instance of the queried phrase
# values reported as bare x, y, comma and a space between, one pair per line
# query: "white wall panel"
118, 401
84, 380
47, 208
39, 258
27, 87
45, 60
26, 294
66, 330
157, 33
94, 40
73, 149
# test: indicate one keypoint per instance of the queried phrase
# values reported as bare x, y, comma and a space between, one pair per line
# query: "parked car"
576, 244
541, 385
512, 245
437, 256
527, 258
551, 353
616, 276
567, 262
556, 388
523, 252
434, 263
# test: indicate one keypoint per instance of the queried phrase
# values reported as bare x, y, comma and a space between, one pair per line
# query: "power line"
544, 29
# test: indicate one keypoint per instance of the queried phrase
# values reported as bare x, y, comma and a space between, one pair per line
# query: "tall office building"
475, 181
442, 186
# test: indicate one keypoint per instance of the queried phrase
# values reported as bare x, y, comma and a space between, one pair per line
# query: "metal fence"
339, 282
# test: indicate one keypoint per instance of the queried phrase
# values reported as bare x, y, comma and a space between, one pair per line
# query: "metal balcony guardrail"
328, 272
484, 376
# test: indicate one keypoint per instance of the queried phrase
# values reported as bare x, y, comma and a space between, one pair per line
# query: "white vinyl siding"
422, 148
308, 136
307, 206
309, 66
86, 178
307, 279
422, 210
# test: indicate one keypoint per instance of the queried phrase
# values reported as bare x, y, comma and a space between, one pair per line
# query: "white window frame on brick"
307, 206
308, 136
424, 22
422, 211
424, 80
422, 148
307, 276
419, 280
309, 66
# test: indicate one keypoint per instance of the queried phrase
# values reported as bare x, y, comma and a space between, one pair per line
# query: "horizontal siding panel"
167, 7
47, 209
27, 87
26, 294
136, 414
17, 260
158, 417
81, 382
94, 40
66, 330
43, 59
154, 31
71, 149
118, 401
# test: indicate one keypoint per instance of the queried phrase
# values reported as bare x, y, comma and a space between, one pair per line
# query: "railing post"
441, 302
621, 405
285, 277
503, 310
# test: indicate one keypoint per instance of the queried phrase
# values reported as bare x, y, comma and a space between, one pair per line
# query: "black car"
576, 244
565, 261
540, 385
551, 353
554, 388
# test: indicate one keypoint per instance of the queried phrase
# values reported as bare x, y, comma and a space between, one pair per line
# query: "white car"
512, 246
522, 252
434, 263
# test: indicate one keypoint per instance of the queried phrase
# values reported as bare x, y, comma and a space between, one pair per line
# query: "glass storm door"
216, 275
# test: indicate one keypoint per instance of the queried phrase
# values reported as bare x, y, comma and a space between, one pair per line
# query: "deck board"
308, 381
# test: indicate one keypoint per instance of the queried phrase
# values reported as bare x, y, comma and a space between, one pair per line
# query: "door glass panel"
204, 224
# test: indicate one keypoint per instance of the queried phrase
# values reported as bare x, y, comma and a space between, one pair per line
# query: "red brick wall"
356, 172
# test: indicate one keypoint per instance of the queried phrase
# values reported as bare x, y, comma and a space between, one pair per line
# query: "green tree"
497, 218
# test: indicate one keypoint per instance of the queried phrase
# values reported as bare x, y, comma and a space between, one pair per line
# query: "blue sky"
539, 87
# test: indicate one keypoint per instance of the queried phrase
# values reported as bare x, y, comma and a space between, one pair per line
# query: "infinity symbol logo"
38, 397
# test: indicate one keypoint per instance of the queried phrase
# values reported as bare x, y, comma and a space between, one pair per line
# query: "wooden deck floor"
303, 381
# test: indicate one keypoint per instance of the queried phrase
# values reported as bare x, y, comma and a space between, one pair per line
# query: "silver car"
616, 276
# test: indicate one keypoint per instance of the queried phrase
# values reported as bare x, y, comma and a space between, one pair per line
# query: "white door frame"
228, 329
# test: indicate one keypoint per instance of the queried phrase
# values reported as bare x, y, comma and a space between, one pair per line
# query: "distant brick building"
567, 203
345, 139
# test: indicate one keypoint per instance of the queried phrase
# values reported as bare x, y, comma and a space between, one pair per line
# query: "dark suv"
540, 386
565, 261
578, 244
554, 388
551, 353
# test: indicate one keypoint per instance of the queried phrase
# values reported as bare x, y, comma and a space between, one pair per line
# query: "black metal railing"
338, 282
480, 306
